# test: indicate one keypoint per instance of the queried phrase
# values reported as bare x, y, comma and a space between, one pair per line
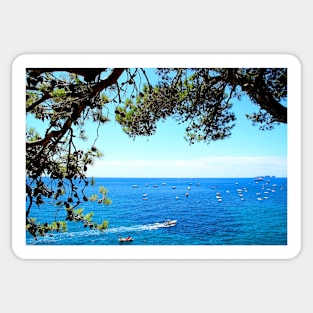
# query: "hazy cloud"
200, 167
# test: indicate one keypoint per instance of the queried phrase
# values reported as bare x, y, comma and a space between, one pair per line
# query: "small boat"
169, 223
126, 239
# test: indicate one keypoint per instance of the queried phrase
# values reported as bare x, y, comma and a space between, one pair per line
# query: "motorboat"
126, 239
259, 178
169, 223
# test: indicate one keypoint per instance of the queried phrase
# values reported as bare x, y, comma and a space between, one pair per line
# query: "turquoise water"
221, 211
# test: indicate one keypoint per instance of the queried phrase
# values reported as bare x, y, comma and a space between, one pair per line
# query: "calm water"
214, 212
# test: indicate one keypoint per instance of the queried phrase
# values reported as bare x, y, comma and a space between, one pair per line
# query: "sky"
248, 152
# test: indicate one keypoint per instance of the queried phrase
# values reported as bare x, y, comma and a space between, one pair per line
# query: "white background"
154, 285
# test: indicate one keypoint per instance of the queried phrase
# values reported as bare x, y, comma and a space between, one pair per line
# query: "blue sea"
209, 211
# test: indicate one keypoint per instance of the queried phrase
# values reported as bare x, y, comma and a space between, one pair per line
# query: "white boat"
126, 239
169, 223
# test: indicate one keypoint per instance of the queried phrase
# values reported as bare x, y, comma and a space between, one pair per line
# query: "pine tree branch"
109, 81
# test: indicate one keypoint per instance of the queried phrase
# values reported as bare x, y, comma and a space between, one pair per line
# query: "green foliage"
201, 99
104, 99
37, 229
93, 197
103, 191
64, 101
104, 196
103, 226
107, 201
57, 94
89, 216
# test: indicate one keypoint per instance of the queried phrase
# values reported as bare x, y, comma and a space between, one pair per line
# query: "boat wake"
135, 228
67, 236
